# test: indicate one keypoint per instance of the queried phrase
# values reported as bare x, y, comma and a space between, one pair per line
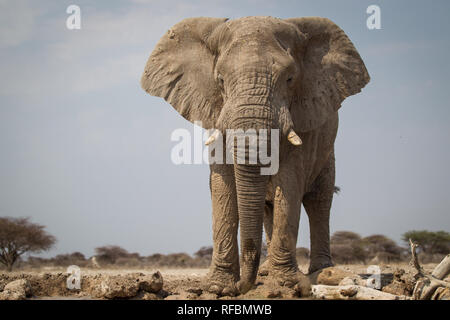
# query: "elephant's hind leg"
268, 227
224, 271
317, 204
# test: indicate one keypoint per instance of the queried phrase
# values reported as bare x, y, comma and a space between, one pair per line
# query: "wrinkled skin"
262, 73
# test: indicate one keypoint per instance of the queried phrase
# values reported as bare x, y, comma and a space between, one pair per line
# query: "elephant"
262, 73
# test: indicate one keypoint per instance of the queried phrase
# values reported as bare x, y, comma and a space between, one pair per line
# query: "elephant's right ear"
332, 71
180, 70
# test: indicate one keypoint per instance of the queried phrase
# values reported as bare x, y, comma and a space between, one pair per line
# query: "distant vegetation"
117, 257
430, 242
18, 236
349, 247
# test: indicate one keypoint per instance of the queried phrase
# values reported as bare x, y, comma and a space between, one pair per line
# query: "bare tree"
19, 235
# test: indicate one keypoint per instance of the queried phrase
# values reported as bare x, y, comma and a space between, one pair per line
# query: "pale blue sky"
86, 152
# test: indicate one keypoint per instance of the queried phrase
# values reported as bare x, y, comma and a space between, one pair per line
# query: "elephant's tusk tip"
294, 138
212, 138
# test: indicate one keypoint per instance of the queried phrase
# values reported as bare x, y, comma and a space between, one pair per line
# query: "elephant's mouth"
257, 118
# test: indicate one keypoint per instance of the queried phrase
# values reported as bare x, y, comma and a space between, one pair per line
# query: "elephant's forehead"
260, 28
250, 25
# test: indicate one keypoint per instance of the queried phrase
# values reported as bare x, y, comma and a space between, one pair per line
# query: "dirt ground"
190, 284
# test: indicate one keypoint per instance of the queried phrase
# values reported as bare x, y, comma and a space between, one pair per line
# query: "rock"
273, 294
352, 292
150, 296
349, 291
347, 281
152, 284
16, 290
196, 291
402, 283
183, 295
208, 296
117, 287
331, 276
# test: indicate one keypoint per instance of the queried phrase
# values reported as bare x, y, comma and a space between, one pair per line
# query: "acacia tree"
110, 254
19, 235
347, 247
430, 242
380, 246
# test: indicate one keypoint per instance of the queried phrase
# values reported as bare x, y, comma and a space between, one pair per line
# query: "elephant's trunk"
251, 191
251, 188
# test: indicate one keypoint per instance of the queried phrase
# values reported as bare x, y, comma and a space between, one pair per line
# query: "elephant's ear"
180, 70
332, 70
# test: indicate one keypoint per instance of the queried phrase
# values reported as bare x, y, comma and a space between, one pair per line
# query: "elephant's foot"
316, 265
245, 286
222, 283
264, 268
293, 279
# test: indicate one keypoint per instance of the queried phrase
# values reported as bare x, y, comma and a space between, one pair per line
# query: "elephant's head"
259, 73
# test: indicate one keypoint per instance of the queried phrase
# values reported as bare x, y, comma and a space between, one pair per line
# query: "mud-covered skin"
306, 176
311, 184
262, 73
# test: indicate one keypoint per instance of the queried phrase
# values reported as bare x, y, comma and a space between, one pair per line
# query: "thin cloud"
17, 23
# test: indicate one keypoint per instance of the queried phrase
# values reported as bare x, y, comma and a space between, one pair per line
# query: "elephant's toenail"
215, 289
229, 292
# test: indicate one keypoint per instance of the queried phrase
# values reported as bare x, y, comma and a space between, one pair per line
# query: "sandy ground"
51, 283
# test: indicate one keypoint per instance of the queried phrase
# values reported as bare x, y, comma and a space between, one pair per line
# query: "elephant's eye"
220, 80
289, 81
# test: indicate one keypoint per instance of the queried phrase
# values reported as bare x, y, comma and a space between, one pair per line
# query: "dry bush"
129, 262
201, 259
425, 257
382, 249
347, 247
204, 252
176, 260
65, 260
114, 255
344, 254
38, 262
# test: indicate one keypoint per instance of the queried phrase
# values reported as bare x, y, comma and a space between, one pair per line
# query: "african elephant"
262, 73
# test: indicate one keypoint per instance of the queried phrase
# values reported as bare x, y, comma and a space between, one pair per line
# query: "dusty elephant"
262, 73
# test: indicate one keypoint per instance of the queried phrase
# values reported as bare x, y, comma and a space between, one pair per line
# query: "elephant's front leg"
224, 271
286, 218
317, 204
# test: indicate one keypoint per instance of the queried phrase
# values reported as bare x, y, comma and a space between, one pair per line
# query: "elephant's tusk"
294, 138
213, 137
